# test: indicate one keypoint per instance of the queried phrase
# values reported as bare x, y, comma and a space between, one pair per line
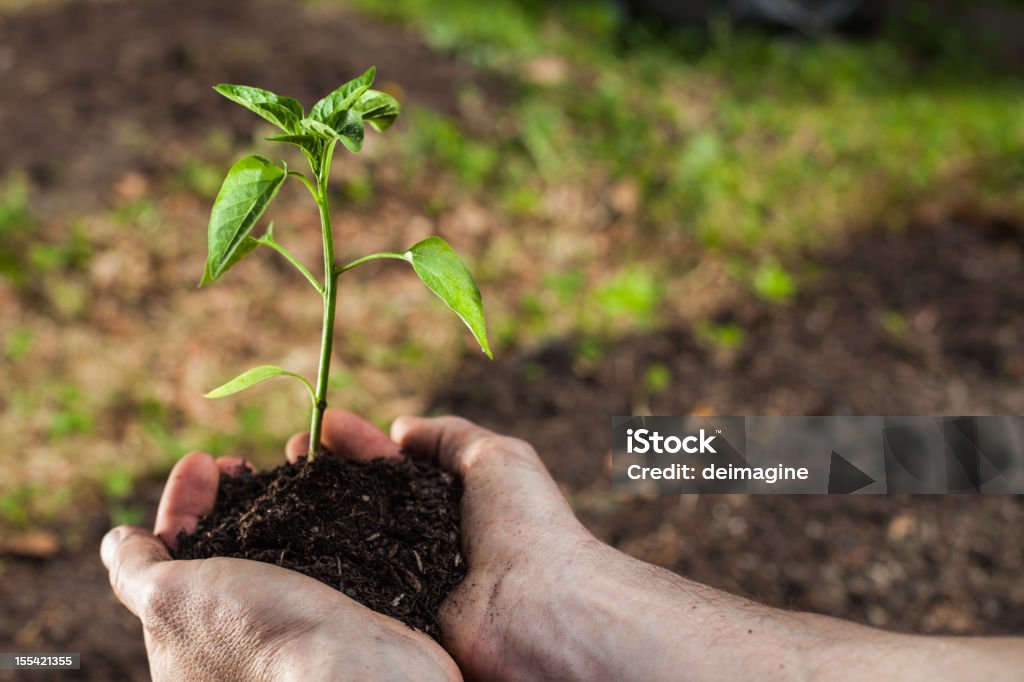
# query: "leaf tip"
206, 279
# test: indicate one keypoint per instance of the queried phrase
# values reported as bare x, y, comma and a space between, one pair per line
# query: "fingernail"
109, 545
400, 427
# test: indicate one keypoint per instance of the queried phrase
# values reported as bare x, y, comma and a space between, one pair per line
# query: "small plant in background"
253, 182
657, 378
773, 283
726, 336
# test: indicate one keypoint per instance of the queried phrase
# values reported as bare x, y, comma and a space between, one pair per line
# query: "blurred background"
752, 207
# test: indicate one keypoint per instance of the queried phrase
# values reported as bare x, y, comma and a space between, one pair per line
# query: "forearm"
864, 651
619, 618
632, 620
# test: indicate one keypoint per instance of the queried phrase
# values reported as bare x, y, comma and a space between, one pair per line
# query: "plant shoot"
253, 182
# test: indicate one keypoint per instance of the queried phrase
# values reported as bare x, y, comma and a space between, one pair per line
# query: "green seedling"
253, 182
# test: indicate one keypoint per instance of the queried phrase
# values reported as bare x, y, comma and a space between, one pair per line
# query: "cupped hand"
527, 556
221, 619
523, 545
543, 599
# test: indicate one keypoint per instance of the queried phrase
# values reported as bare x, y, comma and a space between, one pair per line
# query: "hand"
232, 619
524, 549
543, 599
527, 556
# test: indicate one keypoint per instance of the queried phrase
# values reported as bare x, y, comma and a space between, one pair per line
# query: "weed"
773, 283
657, 378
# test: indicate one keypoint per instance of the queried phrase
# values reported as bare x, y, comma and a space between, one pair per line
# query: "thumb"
129, 555
447, 440
462, 447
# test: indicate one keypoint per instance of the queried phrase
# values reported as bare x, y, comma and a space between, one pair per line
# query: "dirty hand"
543, 599
518, 614
232, 619
526, 553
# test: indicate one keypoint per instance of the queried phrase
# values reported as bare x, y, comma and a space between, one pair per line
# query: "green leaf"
318, 129
254, 376
312, 145
305, 141
247, 246
343, 97
379, 109
348, 125
249, 187
284, 112
447, 276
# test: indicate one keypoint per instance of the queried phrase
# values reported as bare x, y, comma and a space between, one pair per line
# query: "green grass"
747, 143
727, 336
16, 224
749, 148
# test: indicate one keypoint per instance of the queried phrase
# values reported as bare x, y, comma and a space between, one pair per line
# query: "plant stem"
367, 259
304, 180
272, 243
330, 294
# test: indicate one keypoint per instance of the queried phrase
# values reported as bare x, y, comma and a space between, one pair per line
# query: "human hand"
232, 619
529, 559
524, 547
543, 599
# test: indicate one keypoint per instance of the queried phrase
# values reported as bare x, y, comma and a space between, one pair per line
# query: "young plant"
253, 182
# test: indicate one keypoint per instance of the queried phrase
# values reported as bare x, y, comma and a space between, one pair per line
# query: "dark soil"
385, 533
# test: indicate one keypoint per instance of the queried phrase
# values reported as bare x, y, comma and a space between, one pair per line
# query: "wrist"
613, 617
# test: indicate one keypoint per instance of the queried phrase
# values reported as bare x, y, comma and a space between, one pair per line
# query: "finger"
297, 446
191, 492
449, 440
128, 553
232, 465
349, 435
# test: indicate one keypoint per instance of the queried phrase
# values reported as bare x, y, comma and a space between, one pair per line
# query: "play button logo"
844, 478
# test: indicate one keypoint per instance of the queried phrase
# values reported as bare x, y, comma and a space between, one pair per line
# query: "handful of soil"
384, 532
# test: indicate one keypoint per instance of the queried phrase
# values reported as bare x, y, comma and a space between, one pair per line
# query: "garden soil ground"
951, 292
916, 564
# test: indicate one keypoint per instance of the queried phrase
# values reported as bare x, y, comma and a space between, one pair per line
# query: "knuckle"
495, 447
455, 425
